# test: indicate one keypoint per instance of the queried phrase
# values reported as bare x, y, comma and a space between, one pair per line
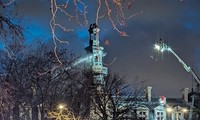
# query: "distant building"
149, 108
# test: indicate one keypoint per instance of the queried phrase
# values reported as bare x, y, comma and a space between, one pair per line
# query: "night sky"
177, 22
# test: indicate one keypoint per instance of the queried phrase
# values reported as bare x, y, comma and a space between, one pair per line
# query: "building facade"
162, 108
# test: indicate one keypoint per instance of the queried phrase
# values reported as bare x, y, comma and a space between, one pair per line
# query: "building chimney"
148, 93
185, 92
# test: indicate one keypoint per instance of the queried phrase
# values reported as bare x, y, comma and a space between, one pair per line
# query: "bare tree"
39, 81
11, 31
6, 99
17, 77
113, 102
52, 82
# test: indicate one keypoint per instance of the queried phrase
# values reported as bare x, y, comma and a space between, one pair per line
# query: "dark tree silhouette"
113, 101
38, 82
11, 30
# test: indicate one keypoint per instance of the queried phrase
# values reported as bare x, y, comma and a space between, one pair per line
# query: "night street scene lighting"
99, 60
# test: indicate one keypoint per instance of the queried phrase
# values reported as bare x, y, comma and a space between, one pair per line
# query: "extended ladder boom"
162, 47
187, 68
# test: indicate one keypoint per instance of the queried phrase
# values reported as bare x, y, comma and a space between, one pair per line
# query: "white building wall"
160, 113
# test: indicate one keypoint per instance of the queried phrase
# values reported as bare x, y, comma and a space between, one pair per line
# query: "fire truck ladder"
161, 46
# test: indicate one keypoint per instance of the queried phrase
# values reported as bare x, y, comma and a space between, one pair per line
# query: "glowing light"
169, 109
61, 106
162, 50
185, 110
161, 47
157, 47
63, 114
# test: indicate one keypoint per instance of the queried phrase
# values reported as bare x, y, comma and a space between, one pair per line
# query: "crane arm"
187, 68
195, 76
162, 47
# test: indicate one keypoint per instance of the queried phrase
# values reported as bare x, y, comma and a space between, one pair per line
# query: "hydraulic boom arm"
161, 46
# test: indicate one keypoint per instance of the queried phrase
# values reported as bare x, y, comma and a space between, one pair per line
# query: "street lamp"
57, 115
169, 109
62, 113
61, 106
185, 110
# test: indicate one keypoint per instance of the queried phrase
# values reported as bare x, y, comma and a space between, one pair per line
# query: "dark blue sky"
175, 21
